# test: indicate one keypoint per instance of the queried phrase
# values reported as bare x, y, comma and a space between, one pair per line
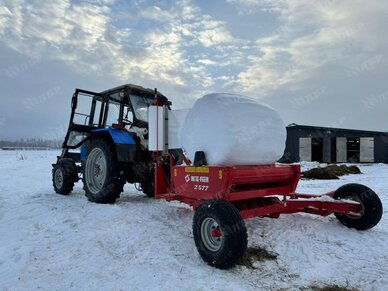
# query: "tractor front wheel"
101, 173
372, 209
219, 233
64, 176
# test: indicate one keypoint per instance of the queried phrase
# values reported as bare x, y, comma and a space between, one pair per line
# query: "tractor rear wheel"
64, 176
219, 233
101, 173
372, 209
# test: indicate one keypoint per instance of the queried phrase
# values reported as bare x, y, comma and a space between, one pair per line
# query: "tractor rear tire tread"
114, 184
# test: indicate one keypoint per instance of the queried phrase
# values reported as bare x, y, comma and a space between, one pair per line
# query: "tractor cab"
121, 107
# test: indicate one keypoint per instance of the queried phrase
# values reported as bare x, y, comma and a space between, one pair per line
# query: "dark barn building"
334, 145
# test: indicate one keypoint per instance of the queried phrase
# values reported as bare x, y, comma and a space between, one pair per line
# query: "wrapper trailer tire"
372, 208
220, 234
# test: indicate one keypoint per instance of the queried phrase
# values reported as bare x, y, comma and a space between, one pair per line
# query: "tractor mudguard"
124, 143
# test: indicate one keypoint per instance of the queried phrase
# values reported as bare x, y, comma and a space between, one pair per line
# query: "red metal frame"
265, 191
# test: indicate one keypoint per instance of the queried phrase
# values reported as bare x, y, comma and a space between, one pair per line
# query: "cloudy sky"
316, 62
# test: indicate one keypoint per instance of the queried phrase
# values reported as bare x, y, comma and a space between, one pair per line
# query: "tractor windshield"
140, 107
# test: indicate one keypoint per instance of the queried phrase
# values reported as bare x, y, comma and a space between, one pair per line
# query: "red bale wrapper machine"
223, 196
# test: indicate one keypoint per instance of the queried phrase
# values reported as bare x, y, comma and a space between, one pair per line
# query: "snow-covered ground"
52, 242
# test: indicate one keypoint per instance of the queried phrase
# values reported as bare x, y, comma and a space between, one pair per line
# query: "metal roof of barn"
296, 126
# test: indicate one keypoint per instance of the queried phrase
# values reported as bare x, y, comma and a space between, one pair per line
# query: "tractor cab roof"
136, 90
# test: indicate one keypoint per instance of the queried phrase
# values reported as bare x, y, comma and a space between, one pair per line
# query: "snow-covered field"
52, 242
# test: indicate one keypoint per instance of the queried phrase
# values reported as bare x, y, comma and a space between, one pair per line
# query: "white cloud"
4, 11
213, 33
312, 34
37, 26
180, 47
206, 62
87, 36
157, 14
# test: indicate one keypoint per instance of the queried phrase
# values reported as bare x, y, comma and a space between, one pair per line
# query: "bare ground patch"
330, 172
254, 254
333, 288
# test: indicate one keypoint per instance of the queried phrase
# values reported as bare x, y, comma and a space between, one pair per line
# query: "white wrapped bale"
176, 119
233, 130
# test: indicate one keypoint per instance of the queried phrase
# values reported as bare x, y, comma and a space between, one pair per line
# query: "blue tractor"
106, 144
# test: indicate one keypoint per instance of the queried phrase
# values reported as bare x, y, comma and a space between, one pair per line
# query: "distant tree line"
32, 142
